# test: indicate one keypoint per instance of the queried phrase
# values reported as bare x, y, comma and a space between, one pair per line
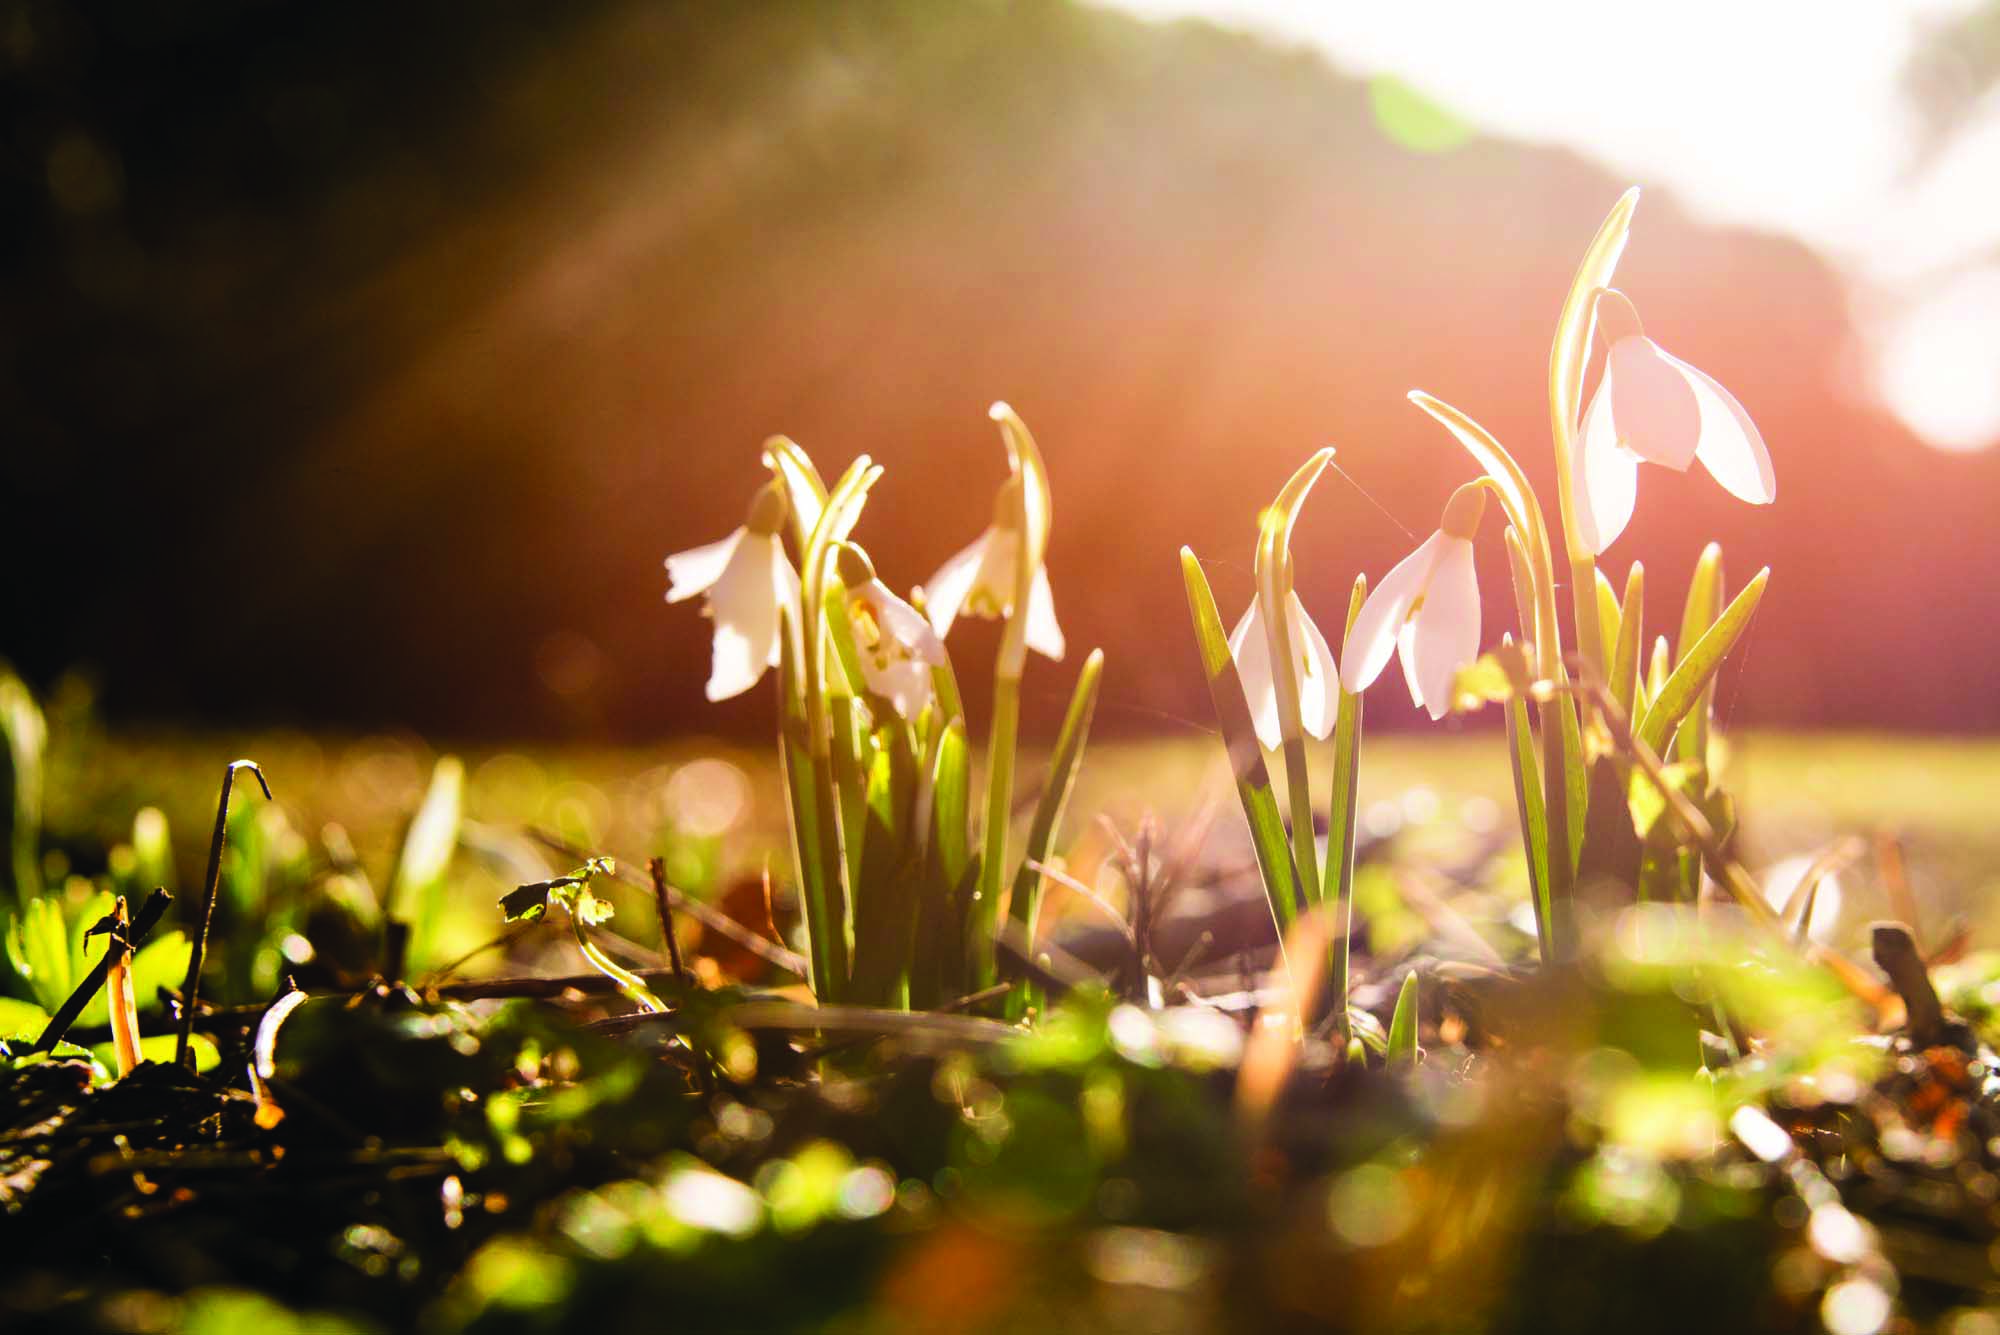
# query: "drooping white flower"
979, 580
1653, 407
1425, 610
897, 647
747, 580
1312, 663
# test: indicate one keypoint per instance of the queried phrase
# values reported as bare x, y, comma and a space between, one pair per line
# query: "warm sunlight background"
1819, 121
340, 389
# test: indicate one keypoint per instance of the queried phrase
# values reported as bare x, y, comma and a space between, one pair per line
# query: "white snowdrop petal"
1381, 618
1604, 478
735, 666
1319, 679
1653, 403
904, 624
696, 569
1045, 637
1731, 449
945, 592
1446, 627
1406, 655
1251, 649
744, 606
785, 593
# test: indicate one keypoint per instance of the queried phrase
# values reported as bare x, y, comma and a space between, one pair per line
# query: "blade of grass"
1704, 600
1026, 904
25, 735
1534, 820
1631, 630
1342, 810
1686, 687
803, 798
416, 891
1403, 1024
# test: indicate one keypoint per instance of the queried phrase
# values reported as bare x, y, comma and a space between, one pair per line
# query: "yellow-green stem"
630, 984
985, 916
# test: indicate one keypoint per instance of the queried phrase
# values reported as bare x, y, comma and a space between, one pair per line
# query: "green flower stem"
630, 984
1274, 561
1341, 811
985, 916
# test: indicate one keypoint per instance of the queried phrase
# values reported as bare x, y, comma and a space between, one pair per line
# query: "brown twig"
710, 918
184, 1045
657, 869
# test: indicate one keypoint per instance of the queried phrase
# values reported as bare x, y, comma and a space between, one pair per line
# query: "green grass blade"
417, 891
1246, 758
1687, 687
1657, 670
1704, 599
937, 971
1342, 809
887, 884
1403, 1024
817, 877
1533, 811
1631, 630
1610, 616
851, 764
1026, 904
1001, 743
24, 736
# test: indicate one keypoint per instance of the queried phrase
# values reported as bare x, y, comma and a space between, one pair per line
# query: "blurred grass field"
715, 809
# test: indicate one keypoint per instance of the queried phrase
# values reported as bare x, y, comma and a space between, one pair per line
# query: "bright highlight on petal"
696, 570
747, 580
1426, 612
1373, 639
1604, 477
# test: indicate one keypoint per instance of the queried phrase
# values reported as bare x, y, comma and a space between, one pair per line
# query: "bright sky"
1787, 114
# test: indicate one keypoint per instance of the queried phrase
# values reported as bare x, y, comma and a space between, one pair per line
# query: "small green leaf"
1482, 682
159, 963
1402, 1049
21, 1019
527, 903
38, 946
160, 1048
1686, 687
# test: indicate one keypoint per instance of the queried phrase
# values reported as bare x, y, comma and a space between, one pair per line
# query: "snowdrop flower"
1426, 611
1651, 406
897, 646
747, 581
980, 580
1312, 661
